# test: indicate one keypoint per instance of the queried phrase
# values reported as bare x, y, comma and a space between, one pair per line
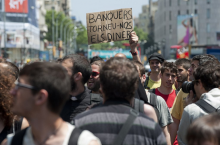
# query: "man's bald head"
120, 55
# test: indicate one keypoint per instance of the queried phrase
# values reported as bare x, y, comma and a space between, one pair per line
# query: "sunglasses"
94, 74
18, 85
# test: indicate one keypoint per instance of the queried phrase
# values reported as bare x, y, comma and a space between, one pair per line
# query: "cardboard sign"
107, 26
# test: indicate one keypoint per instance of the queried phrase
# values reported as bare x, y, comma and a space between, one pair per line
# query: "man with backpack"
39, 96
206, 85
115, 122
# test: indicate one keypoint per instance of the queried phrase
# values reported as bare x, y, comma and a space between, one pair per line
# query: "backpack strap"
18, 137
126, 127
74, 136
141, 106
146, 83
152, 91
206, 106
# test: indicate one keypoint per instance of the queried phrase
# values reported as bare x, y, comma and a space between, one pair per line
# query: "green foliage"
81, 35
101, 46
57, 15
141, 34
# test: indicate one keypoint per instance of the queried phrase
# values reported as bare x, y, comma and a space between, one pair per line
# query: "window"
47, 3
195, 1
170, 3
170, 29
170, 16
187, 11
164, 16
208, 13
58, 3
208, 1
178, 2
208, 27
195, 11
178, 12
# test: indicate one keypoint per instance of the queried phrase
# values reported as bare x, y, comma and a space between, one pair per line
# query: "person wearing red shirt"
168, 78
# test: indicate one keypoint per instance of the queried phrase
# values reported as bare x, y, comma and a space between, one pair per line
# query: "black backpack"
18, 137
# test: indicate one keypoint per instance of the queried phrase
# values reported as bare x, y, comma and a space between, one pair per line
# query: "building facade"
168, 24
59, 5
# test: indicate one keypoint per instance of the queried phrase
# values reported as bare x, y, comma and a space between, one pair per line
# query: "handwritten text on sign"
109, 26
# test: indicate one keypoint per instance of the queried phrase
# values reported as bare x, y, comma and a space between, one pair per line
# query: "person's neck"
78, 90
180, 85
95, 92
155, 76
43, 125
165, 90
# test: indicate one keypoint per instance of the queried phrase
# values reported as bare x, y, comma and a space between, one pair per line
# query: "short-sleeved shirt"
165, 117
84, 139
169, 99
106, 120
178, 105
155, 84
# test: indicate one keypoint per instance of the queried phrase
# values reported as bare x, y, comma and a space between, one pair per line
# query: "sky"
79, 8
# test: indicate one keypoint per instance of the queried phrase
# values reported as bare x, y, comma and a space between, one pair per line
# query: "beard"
96, 86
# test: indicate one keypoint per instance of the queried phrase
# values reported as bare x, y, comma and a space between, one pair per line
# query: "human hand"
191, 98
133, 41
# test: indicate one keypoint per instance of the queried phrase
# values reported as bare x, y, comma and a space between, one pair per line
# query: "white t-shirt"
84, 139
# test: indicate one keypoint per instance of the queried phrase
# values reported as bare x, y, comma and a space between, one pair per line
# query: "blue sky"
79, 8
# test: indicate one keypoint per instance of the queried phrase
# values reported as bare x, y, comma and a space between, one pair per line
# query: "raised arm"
133, 45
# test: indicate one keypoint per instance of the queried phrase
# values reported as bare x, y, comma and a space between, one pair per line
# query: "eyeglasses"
17, 85
94, 74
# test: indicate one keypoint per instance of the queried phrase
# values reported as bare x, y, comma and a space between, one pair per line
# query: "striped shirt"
105, 122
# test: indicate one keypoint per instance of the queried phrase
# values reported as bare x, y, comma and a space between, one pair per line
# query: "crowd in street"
76, 101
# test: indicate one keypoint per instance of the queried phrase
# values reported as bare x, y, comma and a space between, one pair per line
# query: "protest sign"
107, 26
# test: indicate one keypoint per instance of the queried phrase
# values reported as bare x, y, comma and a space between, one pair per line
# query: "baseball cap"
156, 56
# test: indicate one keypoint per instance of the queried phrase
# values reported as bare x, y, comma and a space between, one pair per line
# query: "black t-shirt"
6, 131
74, 107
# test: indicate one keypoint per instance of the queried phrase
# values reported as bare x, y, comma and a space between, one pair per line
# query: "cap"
156, 56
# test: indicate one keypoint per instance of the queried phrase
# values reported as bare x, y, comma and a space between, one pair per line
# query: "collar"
80, 96
117, 102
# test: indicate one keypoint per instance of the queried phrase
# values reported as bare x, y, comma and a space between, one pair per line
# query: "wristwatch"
134, 53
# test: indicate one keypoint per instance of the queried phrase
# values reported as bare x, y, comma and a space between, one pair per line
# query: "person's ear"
77, 76
144, 77
41, 97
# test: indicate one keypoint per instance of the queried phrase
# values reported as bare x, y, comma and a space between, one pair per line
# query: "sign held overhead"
107, 26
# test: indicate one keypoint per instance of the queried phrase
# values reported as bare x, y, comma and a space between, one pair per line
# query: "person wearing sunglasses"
94, 82
9, 122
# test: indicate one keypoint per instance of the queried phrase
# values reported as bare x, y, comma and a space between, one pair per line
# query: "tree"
101, 46
81, 35
60, 17
141, 34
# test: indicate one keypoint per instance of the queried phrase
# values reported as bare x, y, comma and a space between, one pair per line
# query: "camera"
187, 86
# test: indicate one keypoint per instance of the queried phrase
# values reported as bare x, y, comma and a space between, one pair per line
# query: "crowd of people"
92, 102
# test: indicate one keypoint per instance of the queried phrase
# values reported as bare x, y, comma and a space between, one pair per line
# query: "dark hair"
99, 63
95, 58
119, 78
206, 128
141, 67
204, 58
209, 74
183, 62
14, 71
170, 66
53, 78
80, 64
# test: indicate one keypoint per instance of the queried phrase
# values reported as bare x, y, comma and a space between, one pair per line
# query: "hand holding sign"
133, 40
